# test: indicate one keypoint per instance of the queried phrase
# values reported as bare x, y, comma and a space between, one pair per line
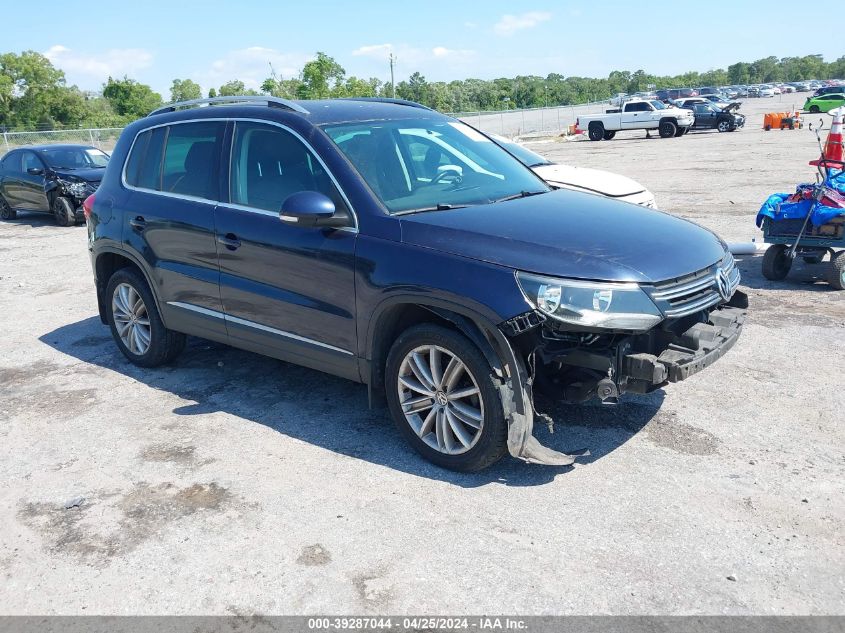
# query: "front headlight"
617, 306
76, 188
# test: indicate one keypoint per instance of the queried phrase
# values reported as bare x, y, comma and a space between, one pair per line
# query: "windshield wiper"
521, 194
440, 206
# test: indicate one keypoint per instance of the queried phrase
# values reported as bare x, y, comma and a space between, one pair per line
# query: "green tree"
235, 88
320, 77
185, 90
130, 99
212, 93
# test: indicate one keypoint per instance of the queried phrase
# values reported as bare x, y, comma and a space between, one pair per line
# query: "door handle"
230, 241
138, 223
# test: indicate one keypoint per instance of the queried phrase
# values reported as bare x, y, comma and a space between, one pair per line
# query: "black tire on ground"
491, 445
6, 212
776, 262
687, 129
165, 345
725, 126
680, 132
667, 129
63, 211
595, 131
836, 271
814, 109
609, 134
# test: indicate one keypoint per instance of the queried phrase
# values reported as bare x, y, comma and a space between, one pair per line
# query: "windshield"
525, 155
658, 105
75, 158
421, 165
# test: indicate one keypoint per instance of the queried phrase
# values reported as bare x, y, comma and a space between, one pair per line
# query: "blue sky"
212, 42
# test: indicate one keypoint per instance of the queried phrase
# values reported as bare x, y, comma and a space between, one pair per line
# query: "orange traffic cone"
833, 144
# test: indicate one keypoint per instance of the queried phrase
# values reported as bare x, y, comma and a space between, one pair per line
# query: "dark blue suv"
383, 242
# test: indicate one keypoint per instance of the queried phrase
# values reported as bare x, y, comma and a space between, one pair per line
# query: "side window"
143, 168
12, 162
31, 161
269, 164
191, 159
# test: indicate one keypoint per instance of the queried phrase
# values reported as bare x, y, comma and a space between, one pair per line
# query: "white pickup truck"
637, 114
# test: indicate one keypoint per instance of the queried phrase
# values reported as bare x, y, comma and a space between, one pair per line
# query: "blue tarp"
775, 207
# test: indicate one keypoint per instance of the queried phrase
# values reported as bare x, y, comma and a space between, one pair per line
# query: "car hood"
732, 106
591, 180
570, 234
89, 175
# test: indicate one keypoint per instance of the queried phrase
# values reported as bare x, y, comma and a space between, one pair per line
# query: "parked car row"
388, 244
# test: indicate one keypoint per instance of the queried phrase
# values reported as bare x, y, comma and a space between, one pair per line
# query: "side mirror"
35, 171
310, 209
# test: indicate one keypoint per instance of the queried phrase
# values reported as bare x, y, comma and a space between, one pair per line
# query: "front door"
30, 187
287, 291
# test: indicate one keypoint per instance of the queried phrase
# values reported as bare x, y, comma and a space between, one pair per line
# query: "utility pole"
392, 82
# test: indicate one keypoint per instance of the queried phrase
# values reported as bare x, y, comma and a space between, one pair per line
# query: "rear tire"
776, 263
609, 134
63, 211
595, 131
667, 129
154, 344
429, 425
836, 271
7, 213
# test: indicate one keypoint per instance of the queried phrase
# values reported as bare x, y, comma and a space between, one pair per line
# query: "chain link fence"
530, 122
102, 138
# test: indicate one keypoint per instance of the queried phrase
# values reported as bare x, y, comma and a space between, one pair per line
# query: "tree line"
35, 95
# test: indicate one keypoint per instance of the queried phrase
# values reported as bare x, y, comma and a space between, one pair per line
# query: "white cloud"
251, 66
410, 56
377, 51
82, 68
509, 24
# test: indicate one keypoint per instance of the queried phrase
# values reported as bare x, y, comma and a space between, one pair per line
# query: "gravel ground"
229, 483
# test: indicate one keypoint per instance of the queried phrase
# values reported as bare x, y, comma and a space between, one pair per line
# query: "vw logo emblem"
442, 400
723, 284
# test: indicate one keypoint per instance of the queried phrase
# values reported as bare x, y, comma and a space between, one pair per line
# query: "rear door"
173, 173
287, 291
10, 178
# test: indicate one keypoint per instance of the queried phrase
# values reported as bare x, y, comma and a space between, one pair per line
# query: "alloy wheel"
440, 399
131, 319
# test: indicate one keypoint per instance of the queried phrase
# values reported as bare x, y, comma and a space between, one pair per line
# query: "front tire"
444, 399
680, 132
135, 323
7, 213
667, 129
815, 109
776, 263
63, 211
724, 126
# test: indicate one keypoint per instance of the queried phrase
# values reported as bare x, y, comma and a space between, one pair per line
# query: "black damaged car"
52, 179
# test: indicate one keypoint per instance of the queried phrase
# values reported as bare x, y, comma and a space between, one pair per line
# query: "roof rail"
273, 102
394, 101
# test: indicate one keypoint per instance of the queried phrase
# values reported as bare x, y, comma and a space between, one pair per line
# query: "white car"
595, 181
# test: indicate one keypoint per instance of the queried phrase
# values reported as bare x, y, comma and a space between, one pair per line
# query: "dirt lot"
230, 483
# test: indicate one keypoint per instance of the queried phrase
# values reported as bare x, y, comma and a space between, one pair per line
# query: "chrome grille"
698, 291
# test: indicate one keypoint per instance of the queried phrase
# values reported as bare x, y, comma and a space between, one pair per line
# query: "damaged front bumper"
610, 366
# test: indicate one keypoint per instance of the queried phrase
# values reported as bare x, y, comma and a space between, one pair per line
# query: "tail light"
88, 206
